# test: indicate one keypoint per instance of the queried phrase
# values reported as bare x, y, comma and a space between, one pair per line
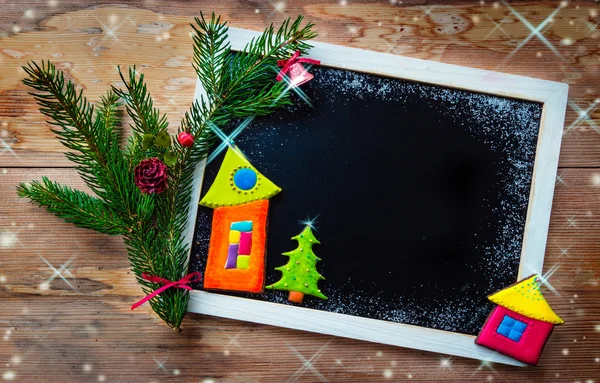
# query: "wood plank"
89, 332
88, 42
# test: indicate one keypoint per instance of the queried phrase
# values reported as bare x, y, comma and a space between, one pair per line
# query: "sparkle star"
308, 364
391, 48
295, 89
60, 273
227, 139
535, 31
278, 6
591, 27
583, 116
233, 340
309, 222
6, 147
353, 29
112, 33
486, 364
160, 364
564, 252
445, 362
544, 279
497, 26
560, 179
427, 11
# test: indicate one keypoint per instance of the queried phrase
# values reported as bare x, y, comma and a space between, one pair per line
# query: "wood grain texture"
54, 332
89, 42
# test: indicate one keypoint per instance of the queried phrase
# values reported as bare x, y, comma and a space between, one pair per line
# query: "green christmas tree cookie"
300, 275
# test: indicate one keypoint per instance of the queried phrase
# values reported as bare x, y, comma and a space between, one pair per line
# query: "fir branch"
211, 54
140, 106
63, 104
95, 151
155, 245
247, 86
108, 115
218, 110
210, 51
239, 85
146, 118
73, 206
256, 64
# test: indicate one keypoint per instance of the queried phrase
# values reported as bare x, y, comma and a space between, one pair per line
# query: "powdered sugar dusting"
506, 126
515, 136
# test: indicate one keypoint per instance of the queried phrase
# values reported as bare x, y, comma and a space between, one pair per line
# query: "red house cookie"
521, 323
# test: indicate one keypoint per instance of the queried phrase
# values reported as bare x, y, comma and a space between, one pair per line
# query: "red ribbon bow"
286, 64
180, 284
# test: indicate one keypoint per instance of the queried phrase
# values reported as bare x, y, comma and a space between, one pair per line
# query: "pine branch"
146, 118
70, 111
109, 115
73, 206
155, 245
219, 109
239, 85
210, 51
140, 106
251, 70
95, 151
248, 87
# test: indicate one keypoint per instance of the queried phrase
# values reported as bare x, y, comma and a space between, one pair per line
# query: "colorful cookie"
300, 275
236, 253
521, 323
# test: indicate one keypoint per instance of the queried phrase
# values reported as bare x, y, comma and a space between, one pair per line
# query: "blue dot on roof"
245, 179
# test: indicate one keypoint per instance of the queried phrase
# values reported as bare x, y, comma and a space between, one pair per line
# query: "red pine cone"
151, 176
185, 139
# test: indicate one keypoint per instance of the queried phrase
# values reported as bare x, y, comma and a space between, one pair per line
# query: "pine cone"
151, 176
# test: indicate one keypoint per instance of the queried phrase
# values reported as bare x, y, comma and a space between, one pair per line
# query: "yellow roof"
526, 299
229, 190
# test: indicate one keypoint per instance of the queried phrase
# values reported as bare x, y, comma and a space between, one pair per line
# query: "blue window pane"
511, 328
519, 326
508, 321
504, 330
515, 335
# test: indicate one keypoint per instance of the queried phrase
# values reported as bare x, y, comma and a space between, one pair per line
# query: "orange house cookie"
236, 254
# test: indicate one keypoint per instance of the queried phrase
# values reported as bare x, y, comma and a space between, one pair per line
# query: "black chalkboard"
420, 194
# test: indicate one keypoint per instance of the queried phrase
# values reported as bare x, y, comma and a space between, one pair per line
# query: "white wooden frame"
553, 95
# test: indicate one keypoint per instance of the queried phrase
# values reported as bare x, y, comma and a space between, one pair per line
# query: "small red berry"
185, 139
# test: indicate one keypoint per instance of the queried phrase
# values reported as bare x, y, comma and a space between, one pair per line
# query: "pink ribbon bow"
287, 64
180, 284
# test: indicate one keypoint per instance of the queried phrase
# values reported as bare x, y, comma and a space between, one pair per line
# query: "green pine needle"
74, 206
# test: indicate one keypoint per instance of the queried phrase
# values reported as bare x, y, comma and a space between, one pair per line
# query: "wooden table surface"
81, 329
